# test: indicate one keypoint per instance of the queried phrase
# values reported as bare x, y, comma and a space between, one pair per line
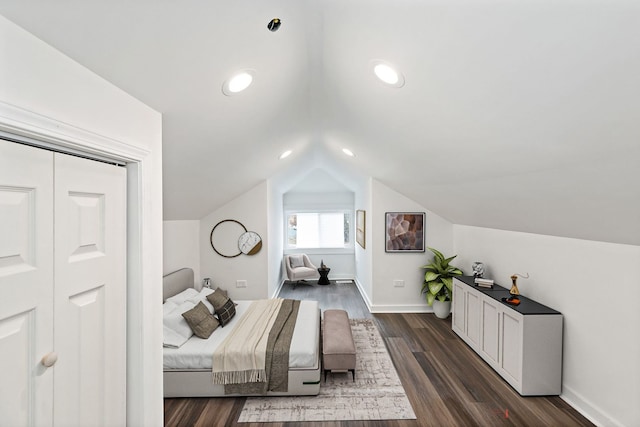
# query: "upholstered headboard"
176, 282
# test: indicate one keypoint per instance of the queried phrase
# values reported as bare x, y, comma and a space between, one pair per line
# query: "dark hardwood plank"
447, 383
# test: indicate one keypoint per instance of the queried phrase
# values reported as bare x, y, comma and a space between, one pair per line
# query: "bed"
188, 368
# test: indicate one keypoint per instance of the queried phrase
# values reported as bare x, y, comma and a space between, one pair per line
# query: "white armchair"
299, 267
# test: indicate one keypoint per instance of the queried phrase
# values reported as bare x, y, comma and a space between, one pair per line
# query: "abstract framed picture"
360, 228
404, 231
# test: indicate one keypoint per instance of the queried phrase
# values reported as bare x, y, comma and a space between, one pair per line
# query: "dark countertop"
526, 306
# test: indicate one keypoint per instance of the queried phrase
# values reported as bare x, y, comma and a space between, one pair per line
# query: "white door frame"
144, 362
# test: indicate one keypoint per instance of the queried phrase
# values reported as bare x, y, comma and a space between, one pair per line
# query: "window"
318, 229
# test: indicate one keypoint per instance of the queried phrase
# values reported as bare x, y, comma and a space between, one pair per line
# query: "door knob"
49, 359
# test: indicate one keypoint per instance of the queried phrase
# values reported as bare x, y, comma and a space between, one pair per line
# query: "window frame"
347, 248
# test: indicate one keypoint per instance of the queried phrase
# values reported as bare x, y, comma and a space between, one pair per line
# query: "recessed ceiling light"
285, 154
388, 74
238, 82
348, 152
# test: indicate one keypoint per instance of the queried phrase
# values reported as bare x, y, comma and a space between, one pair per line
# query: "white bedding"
197, 353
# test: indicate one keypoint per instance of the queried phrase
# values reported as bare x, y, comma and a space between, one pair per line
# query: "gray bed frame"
198, 383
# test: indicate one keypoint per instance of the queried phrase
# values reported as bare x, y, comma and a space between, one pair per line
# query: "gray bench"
338, 348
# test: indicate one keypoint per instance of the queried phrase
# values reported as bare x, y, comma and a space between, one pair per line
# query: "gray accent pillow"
217, 299
201, 322
296, 261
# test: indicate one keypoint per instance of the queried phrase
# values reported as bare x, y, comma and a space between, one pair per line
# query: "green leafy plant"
438, 280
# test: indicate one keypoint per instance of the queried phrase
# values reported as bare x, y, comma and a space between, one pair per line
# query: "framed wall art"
360, 228
404, 231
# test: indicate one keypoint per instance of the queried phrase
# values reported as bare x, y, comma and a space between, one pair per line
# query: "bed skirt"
197, 383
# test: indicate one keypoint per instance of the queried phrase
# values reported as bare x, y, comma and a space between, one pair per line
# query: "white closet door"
26, 284
90, 290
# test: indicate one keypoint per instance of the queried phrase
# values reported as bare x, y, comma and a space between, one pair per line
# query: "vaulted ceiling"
515, 114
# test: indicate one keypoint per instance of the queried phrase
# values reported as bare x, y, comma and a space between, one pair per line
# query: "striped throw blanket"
254, 357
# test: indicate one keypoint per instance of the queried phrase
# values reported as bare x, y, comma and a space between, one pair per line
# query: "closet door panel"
90, 305
26, 284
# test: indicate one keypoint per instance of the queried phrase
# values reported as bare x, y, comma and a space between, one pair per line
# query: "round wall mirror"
224, 237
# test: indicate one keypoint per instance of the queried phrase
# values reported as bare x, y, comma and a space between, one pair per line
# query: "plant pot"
441, 309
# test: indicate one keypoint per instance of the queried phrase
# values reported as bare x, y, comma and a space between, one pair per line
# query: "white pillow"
174, 322
183, 296
202, 296
171, 339
168, 307
296, 261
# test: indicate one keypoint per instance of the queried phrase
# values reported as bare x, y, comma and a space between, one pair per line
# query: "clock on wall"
249, 243
229, 238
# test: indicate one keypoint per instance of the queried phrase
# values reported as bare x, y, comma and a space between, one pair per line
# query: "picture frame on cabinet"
404, 232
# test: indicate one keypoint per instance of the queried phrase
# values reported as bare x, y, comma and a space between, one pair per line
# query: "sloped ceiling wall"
516, 115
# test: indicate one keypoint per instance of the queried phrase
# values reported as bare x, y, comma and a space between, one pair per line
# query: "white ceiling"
516, 114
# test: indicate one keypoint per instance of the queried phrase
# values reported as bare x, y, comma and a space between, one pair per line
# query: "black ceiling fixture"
274, 24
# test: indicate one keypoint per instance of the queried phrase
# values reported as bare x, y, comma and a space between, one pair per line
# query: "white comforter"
197, 353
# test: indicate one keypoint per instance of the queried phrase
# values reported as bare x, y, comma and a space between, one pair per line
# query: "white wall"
182, 247
46, 95
388, 267
275, 268
595, 286
364, 256
250, 209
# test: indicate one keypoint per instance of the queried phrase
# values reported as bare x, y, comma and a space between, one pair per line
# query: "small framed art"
404, 231
360, 228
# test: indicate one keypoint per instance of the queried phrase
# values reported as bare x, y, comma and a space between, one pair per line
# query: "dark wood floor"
446, 382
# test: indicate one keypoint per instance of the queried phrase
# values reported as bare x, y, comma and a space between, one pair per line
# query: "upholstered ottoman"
338, 348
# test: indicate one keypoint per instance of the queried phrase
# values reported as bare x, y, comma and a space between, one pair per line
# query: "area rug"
376, 394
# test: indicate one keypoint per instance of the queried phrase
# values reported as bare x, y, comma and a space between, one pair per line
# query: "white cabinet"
466, 312
62, 289
522, 343
490, 346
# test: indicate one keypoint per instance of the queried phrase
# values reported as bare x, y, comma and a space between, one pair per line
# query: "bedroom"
558, 227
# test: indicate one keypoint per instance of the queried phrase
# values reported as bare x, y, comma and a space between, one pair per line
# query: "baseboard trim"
400, 308
278, 289
587, 409
391, 308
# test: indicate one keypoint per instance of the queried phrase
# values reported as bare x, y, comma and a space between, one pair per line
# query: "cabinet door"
90, 305
511, 357
473, 318
489, 339
458, 315
26, 284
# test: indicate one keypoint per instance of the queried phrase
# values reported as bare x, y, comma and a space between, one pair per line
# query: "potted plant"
438, 283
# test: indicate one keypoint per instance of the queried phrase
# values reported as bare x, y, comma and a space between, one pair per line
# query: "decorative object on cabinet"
478, 269
360, 228
514, 287
522, 343
513, 299
438, 283
404, 231
483, 283
229, 238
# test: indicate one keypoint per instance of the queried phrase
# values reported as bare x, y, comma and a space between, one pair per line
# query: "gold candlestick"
514, 287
